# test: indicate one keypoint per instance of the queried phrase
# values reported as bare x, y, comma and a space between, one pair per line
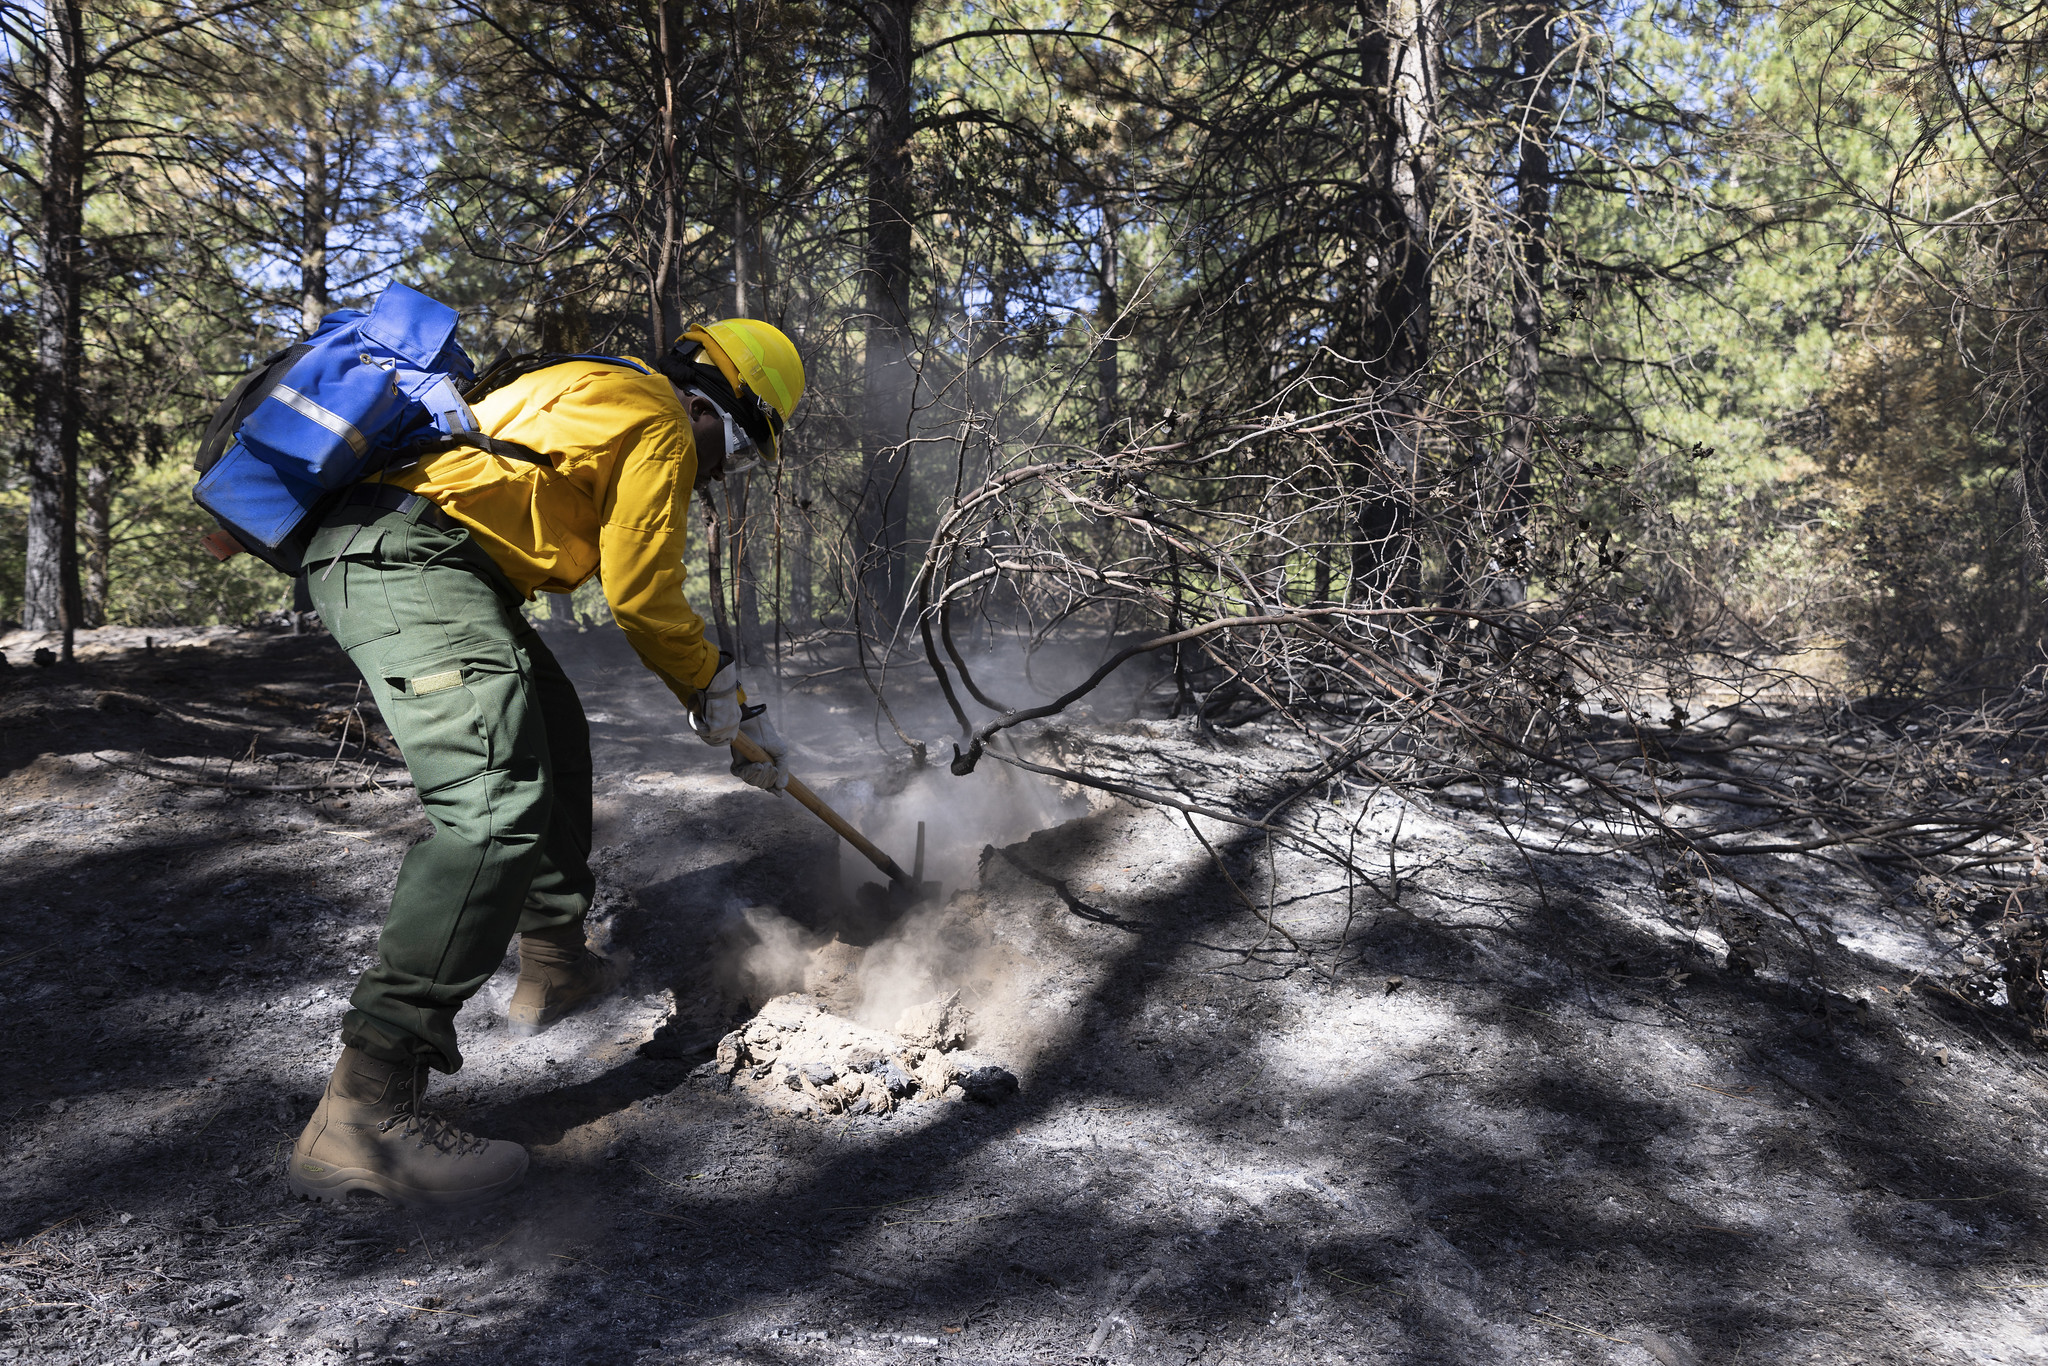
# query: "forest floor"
1522, 1114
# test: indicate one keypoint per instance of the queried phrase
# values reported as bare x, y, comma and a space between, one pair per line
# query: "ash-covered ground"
1523, 1113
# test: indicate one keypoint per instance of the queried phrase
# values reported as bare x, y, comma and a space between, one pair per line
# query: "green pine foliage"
1781, 403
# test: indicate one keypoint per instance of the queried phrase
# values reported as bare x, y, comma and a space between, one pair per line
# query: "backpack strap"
501, 372
442, 442
496, 445
507, 368
250, 390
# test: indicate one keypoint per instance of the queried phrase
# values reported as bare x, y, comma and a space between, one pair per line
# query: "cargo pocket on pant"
346, 589
456, 713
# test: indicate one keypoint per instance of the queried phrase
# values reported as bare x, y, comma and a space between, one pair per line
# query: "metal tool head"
890, 900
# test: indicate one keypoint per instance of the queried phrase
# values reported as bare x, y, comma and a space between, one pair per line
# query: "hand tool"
905, 889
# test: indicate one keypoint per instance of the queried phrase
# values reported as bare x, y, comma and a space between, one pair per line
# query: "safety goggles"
754, 415
741, 454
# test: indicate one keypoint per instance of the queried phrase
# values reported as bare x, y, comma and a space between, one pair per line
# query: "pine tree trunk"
2032, 481
1415, 48
99, 542
667, 188
315, 215
1403, 59
50, 588
746, 585
739, 257
994, 340
739, 181
1109, 304
990, 345
883, 518
1508, 524
796, 541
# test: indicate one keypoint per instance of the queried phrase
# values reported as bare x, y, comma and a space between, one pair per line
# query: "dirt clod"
832, 975
988, 1084
939, 1024
802, 1058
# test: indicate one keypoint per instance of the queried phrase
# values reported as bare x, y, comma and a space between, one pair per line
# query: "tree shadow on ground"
1374, 1215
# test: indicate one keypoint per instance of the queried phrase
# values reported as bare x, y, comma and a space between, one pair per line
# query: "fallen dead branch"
1285, 588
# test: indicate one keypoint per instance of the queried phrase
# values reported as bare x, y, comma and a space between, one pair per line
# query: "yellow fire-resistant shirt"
616, 503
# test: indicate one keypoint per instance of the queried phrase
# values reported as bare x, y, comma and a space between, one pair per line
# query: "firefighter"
420, 576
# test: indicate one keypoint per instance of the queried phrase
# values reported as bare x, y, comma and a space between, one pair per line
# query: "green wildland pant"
500, 755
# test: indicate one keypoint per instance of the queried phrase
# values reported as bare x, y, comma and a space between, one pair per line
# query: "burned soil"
1521, 1107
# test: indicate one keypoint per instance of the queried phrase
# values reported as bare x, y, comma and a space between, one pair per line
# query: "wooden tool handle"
754, 754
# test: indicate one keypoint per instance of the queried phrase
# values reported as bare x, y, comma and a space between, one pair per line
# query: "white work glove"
771, 776
717, 714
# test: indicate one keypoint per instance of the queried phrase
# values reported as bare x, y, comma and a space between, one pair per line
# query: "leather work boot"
557, 973
368, 1135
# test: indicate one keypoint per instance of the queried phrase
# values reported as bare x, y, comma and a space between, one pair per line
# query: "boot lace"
432, 1131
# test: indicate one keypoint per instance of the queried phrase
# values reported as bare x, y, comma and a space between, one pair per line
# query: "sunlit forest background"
1721, 321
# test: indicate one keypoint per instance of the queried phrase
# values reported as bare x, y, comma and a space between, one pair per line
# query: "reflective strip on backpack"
307, 408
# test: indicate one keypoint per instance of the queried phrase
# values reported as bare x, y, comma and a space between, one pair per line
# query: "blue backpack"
367, 392
344, 403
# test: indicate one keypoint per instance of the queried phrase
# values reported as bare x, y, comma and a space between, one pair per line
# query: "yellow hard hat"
762, 370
